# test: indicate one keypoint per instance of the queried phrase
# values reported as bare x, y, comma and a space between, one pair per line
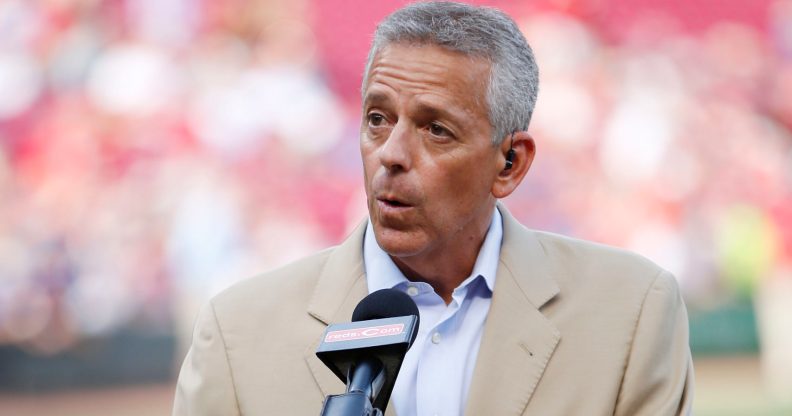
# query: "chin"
399, 243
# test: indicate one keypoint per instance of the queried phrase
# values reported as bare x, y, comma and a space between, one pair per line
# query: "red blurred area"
151, 153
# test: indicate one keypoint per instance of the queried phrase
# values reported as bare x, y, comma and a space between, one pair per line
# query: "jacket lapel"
339, 288
518, 339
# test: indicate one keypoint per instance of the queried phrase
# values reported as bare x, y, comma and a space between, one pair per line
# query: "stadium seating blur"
152, 153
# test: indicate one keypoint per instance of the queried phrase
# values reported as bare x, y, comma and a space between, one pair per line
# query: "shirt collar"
382, 273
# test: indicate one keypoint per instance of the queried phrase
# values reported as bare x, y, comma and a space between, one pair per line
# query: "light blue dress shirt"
435, 376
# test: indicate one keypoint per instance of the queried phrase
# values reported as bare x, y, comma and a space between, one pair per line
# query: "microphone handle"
349, 404
367, 377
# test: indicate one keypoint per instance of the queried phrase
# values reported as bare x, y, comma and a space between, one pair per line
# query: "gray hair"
474, 31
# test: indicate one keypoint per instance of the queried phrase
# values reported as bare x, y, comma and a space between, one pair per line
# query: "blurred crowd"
153, 152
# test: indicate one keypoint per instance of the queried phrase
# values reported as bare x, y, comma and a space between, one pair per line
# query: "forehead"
429, 71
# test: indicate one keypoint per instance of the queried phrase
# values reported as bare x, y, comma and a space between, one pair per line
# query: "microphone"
367, 353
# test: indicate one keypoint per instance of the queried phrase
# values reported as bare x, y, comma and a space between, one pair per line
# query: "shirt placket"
437, 364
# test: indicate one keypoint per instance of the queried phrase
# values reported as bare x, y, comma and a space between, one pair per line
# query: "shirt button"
412, 290
436, 338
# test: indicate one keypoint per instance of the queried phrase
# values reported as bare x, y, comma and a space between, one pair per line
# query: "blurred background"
154, 152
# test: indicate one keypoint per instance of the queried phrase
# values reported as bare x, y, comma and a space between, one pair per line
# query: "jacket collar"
340, 286
342, 282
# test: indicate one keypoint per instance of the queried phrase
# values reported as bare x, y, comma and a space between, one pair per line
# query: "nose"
395, 154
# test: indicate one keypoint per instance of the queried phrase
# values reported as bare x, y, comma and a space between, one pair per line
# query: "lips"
393, 201
394, 209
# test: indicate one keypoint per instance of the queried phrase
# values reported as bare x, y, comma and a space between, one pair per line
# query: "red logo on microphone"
363, 333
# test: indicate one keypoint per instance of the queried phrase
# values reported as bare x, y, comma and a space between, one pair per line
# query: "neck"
448, 266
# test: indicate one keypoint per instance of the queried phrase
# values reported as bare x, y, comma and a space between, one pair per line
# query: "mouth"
395, 203
392, 202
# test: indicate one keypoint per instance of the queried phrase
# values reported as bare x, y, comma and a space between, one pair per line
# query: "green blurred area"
729, 328
724, 340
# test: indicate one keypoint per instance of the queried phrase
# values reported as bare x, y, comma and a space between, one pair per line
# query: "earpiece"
509, 159
510, 154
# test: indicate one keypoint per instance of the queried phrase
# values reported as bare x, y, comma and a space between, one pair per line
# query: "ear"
507, 180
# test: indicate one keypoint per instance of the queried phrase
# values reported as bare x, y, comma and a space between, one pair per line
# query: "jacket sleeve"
658, 377
206, 385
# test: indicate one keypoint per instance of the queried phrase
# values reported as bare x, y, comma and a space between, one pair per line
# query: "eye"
437, 130
376, 120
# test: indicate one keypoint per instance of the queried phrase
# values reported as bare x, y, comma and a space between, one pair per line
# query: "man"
513, 321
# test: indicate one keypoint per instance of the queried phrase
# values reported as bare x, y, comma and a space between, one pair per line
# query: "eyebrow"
436, 112
428, 110
375, 98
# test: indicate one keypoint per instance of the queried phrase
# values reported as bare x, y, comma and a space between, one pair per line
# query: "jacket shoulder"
585, 264
592, 253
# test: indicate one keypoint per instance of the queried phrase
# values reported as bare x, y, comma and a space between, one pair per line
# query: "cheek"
368, 157
465, 187
462, 179
444, 194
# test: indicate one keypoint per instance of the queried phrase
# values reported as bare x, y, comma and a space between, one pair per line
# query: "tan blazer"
575, 328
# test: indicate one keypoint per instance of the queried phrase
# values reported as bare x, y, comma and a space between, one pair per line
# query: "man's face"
428, 161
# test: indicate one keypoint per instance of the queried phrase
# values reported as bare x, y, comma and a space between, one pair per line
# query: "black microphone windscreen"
386, 303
